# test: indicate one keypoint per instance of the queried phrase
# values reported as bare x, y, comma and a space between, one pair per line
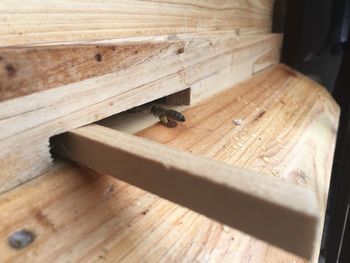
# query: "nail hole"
21, 239
98, 57
180, 50
145, 212
11, 71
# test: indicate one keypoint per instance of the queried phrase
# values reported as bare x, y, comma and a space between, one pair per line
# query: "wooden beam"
27, 122
40, 22
261, 206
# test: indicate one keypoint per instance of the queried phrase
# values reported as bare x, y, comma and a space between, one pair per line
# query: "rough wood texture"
288, 131
29, 70
24, 71
39, 21
27, 122
259, 205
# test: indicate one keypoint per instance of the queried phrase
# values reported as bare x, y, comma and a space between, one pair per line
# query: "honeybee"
167, 117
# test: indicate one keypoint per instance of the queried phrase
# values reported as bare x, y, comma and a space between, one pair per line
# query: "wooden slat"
24, 71
27, 122
78, 215
40, 22
29, 70
259, 205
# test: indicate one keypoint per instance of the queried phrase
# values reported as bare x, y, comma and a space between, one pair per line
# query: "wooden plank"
89, 217
24, 71
233, 74
271, 57
29, 70
39, 21
259, 205
27, 123
222, 80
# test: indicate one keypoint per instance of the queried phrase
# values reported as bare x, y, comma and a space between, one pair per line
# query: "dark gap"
178, 98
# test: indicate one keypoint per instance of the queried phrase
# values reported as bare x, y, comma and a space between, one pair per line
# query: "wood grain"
24, 71
263, 206
27, 122
272, 114
41, 22
86, 217
28, 70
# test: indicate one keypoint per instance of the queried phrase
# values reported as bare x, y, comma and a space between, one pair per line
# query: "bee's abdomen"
175, 115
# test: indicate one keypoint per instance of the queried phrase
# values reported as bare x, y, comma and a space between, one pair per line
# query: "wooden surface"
24, 71
288, 131
262, 206
41, 22
158, 69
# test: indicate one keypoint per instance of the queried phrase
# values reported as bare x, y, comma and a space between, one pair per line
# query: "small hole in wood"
11, 70
21, 239
180, 51
98, 57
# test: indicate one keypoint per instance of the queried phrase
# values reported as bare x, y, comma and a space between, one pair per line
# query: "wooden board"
157, 70
288, 131
262, 206
40, 22
24, 71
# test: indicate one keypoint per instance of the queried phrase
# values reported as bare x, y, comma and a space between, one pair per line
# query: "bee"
167, 117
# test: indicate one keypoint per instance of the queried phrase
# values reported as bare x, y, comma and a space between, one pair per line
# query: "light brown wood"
91, 218
27, 123
267, 59
259, 205
86, 217
28, 70
24, 71
40, 22
288, 130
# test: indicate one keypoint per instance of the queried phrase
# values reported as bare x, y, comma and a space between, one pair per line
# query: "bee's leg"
171, 123
163, 119
167, 122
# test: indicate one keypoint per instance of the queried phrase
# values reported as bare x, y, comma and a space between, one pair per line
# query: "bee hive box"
60, 73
